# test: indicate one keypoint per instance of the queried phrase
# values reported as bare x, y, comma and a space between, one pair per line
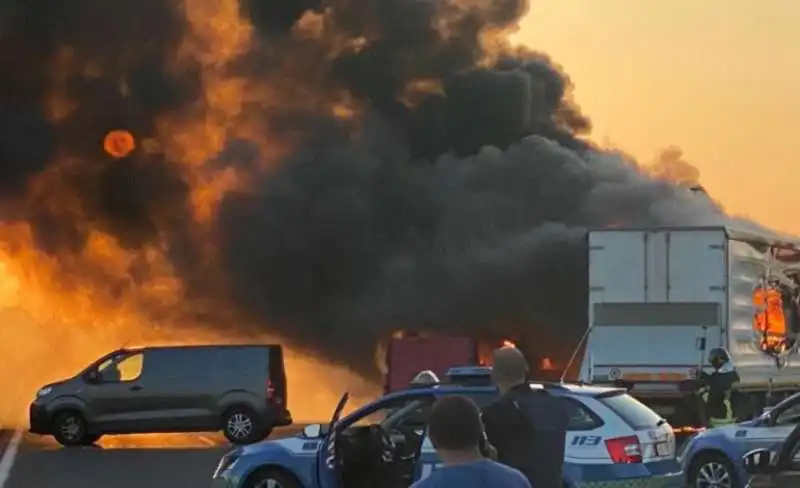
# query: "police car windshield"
631, 410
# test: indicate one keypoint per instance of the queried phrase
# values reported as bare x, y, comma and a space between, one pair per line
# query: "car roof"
558, 389
131, 349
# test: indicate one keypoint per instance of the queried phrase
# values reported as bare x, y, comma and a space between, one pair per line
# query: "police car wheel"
713, 471
271, 478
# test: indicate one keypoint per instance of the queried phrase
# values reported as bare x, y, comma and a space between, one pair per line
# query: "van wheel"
712, 470
271, 478
70, 429
241, 426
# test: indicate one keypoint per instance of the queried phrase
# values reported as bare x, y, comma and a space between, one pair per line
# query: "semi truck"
661, 298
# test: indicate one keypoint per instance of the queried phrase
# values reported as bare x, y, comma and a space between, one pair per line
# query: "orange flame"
769, 320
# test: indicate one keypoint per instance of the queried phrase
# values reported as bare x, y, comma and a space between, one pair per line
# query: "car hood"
718, 430
298, 444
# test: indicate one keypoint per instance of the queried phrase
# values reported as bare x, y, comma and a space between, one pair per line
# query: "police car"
612, 441
713, 459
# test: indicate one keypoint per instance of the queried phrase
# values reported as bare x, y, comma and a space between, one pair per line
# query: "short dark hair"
455, 424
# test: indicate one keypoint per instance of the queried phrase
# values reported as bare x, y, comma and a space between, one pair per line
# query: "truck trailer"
661, 298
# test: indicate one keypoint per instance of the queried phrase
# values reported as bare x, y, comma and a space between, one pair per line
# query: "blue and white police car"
713, 459
612, 441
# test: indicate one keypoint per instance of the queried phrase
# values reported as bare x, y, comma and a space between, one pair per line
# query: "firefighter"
424, 378
717, 388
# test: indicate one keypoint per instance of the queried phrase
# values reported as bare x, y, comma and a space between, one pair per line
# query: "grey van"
240, 390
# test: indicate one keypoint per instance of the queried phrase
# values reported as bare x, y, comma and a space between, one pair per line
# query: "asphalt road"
137, 461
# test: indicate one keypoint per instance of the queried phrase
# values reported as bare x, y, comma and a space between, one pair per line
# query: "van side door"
117, 401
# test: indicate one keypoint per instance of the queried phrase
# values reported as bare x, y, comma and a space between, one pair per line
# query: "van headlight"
44, 391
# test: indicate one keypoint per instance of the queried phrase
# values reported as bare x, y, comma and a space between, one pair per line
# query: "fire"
769, 321
119, 143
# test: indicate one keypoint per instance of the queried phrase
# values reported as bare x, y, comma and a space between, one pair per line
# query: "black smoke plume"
464, 211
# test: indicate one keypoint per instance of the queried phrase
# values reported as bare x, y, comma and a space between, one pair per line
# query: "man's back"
528, 428
477, 474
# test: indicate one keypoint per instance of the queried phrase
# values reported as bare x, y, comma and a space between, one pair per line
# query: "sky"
718, 78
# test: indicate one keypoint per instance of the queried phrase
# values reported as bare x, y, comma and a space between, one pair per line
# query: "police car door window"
789, 416
384, 412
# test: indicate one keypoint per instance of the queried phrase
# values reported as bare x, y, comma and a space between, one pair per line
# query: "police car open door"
772, 427
327, 461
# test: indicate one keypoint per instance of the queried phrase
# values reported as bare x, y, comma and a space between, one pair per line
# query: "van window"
128, 369
632, 411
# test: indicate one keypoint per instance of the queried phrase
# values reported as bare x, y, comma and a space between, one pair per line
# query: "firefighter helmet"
718, 357
425, 378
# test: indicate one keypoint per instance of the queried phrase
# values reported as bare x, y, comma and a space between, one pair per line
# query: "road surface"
140, 461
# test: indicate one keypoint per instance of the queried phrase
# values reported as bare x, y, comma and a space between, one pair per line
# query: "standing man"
455, 430
717, 388
526, 426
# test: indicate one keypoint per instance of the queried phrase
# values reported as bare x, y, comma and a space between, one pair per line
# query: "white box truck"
661, 298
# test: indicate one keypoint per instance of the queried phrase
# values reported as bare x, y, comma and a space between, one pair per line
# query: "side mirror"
93, 377
759, 461
313, 431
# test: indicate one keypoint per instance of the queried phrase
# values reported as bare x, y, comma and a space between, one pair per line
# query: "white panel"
617, 266
697, 266
657, 272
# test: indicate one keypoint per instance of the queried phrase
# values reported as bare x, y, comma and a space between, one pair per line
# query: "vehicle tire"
242, 426
70, 429
271, 478
713, 470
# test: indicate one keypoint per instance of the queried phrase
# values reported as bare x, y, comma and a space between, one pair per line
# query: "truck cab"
409, 353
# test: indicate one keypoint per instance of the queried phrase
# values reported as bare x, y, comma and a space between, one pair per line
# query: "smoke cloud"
418, 170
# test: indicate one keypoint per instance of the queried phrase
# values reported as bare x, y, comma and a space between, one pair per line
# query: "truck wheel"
271, 478
70, 429
713, 470
242, 426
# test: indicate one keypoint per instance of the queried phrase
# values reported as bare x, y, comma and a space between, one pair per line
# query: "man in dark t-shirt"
526, 426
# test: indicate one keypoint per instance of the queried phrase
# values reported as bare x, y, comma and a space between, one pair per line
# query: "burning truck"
661, 298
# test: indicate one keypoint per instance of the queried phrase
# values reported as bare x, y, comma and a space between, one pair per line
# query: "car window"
580, 416
788, 415
384, 411
632, 411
